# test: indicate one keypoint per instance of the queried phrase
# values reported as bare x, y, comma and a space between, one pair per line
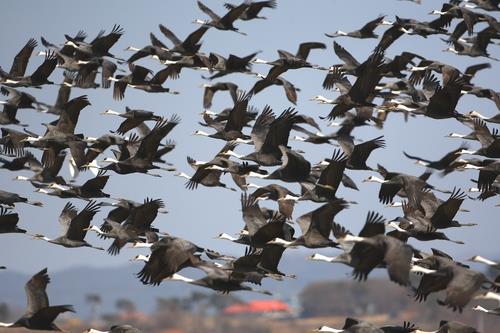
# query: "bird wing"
195, 36
102, 44
68, 213
463, 287
156, 42
290, 90
142, 216
170, 35
35, 291
238, 114
208, 11
445, 213
345, 56
261, 127
270, 257
108, 70
279, 131
370, 26
82, 221
96, 183
21, 59
8, 221
234, 13
46, 68
398, 258
390, 36
369, 76
361, 152
70, 114
322, 217
374, 225
483, 134
252, 215
331, 176
149, 144
305, 48
64, 91
49, 314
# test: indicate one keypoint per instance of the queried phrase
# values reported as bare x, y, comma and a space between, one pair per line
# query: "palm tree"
94, 300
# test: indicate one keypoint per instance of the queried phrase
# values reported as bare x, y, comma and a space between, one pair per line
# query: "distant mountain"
72, 285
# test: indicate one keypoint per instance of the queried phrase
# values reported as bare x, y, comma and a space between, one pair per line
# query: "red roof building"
257, 307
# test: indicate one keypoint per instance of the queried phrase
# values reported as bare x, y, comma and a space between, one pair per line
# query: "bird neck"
111, 112
282, 242
341, 33
132, 48
178, 277
480, 308
227, 237
141, 257
420, 269
375, 179
320, 257
329, 329
419, 162
256, 175
485, 261
183, 175
142, 245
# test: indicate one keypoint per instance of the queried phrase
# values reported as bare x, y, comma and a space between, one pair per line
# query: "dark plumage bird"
288, 61
190, 46
75, 226
211, 89
459, 282
116, 329
365, 32
133, 118
99, 47
359, 93
225, 22
20, 62
393, 182
316, 227
168, 256
233, 64
38, 78
138, 80
156, 49
253, 9
290, 89
329, 180
444, 164
219, 279
285, 198
294, 168
10, 199
39, 315
142, 160
8, 222
373, 248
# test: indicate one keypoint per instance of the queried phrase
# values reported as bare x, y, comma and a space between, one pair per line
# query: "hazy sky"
202, 214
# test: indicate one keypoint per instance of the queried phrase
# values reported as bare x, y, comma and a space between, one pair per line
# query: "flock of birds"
408, 84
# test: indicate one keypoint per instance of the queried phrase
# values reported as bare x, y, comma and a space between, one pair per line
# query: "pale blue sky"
201, 214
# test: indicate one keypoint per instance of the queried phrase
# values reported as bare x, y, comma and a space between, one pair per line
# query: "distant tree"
220, 301
168, 304
125, 305
4, 311
94, 300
